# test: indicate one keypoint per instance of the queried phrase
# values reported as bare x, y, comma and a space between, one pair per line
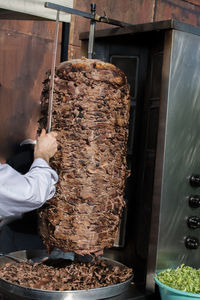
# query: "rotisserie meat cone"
91, 115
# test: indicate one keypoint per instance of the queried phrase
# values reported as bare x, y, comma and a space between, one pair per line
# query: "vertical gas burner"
163, 218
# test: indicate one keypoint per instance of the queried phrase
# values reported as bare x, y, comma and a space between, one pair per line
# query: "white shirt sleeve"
23, 193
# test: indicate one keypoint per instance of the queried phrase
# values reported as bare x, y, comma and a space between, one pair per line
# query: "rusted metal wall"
25, 56
187, 11
134, 12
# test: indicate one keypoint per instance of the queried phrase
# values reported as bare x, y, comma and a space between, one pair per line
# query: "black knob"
191, 242
195, 180
194, 201
193, 222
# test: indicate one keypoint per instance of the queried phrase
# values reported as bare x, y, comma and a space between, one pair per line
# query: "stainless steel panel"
181, 154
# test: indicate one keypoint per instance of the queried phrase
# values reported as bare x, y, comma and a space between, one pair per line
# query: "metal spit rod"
92, 32
53, 65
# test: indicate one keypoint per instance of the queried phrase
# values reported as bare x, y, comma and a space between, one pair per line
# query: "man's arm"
23, 193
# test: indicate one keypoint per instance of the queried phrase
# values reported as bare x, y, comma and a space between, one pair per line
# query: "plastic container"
168, 293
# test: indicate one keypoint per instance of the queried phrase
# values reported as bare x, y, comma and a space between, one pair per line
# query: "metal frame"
92, 16
96, 18
145, 27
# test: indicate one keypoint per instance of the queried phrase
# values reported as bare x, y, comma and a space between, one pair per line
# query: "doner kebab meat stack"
91, 114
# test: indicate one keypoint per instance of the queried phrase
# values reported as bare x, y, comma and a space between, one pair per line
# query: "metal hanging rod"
93, 19
97, 18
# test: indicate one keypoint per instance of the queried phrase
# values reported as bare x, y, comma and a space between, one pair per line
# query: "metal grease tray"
14, 291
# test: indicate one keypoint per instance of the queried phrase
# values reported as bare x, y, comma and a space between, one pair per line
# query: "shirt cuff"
39, 162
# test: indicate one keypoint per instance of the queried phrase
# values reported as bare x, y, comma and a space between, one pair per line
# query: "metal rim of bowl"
100, 293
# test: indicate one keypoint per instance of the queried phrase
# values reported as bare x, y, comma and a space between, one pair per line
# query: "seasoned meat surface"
91, 114
76, 276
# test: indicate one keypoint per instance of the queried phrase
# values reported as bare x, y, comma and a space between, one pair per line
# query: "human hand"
46, 145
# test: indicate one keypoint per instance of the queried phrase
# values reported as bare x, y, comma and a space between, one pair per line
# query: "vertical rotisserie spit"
91, 114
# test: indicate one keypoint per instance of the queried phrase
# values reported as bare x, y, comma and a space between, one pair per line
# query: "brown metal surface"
182, 10
41, 29
25, 56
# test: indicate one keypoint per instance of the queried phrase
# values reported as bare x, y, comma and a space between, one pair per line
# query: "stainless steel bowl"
15, 292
